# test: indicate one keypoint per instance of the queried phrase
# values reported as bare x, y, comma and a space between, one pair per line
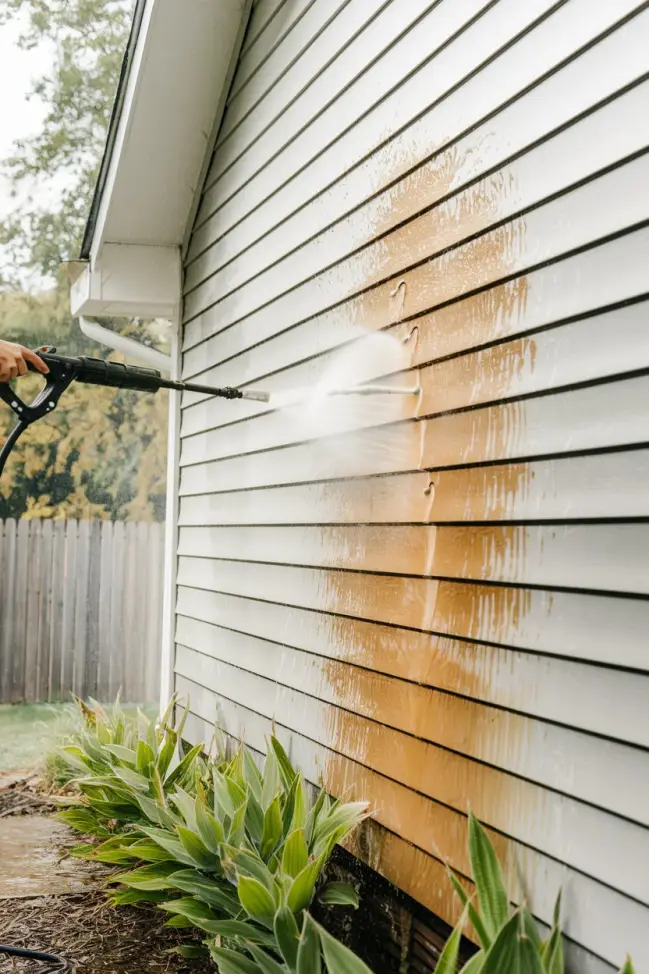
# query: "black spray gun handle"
57, 381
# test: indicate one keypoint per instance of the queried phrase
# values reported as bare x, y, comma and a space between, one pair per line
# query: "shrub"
219, 844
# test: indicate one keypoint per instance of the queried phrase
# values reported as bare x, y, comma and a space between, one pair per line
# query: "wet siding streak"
442, 598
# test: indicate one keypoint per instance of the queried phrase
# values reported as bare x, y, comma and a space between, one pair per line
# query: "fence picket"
80, 610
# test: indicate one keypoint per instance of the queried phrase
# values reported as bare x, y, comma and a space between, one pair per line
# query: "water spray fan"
91, 371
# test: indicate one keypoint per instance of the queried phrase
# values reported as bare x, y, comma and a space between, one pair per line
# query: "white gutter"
129, 348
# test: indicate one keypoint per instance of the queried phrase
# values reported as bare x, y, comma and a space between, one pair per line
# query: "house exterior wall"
440, 598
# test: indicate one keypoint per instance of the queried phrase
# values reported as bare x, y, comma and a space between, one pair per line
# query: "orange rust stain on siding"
473, 494
481, 377
447, 608
417, 820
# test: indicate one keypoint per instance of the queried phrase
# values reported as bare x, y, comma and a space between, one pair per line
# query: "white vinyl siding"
443, 602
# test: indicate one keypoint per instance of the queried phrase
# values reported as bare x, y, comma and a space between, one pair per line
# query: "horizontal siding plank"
572, 155
573, 287
512, 743
597, 417
555, 824
584, 351
318, 36
583, 83
308, 127
598, 486
573, 25
422, 822
557, 690
584, 627
255, 57
283, 224
604, 206
607, 557
261, 17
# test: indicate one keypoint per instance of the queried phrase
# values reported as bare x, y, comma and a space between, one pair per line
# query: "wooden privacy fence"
80, 610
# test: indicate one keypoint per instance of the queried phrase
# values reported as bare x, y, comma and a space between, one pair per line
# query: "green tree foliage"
87, 39
103, 452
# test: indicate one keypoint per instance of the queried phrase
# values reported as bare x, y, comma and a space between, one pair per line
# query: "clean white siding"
442, 601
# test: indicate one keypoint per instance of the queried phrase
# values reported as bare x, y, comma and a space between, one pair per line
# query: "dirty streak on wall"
441, 598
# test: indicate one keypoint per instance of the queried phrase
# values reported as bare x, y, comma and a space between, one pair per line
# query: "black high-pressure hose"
59, 962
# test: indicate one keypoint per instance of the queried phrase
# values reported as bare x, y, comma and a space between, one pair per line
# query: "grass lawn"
29, 731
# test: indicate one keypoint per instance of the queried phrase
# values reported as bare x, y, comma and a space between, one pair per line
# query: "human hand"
14, 359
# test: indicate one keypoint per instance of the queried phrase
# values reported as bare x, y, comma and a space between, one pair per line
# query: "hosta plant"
255, 849
510, 942
126, 769
220, 845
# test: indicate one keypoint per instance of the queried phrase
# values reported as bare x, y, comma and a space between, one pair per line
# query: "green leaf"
194, 847
295, 855
155, 812
131, 778
83, 821
238, 794
448, 959
231, 962
244, 930
182, 767
628, 967
287, 935
552, 950
237, 828
179, 922
209, 828
530, 930
494, 906
222, 795
75, 757
265, 963
300, 806
186, 804
250, 864
149, 851
286, 769
256, 901
474, 917
303, 887
252, 775
170, 843
217, 894
339, 959
122, 754
167, 751
154, 876
271, 780
512, 952
130, 897
552, 954
308, 951
272, 831
333, 827
189, 907
254, 818
475, 964
339, 894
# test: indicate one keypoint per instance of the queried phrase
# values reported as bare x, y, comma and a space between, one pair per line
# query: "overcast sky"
18, 117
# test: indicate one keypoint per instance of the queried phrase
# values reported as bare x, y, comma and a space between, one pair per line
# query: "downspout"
141, 354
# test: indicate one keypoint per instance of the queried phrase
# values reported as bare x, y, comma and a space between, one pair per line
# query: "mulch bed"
92, 936
23, 793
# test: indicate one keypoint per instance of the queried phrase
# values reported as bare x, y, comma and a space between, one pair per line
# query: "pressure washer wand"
65, 370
